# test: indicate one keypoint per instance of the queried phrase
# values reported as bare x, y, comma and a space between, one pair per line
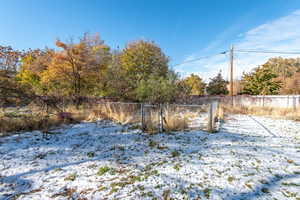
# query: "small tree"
12, 92
158, 89
217, 85
196, 84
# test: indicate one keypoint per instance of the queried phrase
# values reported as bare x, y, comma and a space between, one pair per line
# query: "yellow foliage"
142, 58
196, 84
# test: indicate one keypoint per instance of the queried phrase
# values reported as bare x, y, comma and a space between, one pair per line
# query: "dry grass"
220, 113
278, 113
24, 119
81, 114
121, 113
175, 121
32, 118
31, 122
151, 120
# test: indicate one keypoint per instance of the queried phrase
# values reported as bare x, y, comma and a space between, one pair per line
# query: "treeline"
90, 68
139, 72
277, 76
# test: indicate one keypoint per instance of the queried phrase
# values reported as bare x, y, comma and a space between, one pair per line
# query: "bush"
158, 89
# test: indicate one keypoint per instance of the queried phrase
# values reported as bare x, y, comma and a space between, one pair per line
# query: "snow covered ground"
250, 158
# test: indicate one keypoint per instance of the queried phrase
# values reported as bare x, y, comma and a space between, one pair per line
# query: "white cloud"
282, 34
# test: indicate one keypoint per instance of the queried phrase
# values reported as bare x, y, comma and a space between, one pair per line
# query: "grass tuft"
71, 177
103, 170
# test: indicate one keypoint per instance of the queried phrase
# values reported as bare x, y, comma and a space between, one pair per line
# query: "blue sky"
184, 29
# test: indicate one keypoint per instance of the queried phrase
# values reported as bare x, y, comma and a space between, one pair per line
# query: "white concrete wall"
279, 101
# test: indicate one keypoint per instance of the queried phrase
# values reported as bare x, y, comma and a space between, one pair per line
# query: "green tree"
115, 81
283, 67
33, 64
286, 71
196, 84
217, 85
11, 92
139, 61
158, 89
260, 82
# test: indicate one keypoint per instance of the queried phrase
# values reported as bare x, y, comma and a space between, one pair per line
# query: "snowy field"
250, 158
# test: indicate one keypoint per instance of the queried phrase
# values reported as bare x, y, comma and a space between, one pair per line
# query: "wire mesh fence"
160, 117
125, 113
185, 117
149, 117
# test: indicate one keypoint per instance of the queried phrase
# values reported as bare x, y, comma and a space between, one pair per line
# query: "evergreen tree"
260, 82
217, 85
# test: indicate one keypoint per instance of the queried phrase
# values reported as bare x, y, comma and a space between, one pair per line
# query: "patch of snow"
251, 157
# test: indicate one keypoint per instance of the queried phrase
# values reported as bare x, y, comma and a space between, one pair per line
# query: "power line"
267, 51
200, 58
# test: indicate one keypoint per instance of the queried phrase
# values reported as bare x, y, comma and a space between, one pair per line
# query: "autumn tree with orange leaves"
78, 68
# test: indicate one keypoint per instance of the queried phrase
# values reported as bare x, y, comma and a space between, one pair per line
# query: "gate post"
210, 118
161, 123
142, 116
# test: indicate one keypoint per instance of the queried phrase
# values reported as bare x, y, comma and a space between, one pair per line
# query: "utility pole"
231, 74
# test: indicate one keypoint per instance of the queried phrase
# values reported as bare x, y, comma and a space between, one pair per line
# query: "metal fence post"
161, 123
215, 114
210, 118
294, 103
142, 116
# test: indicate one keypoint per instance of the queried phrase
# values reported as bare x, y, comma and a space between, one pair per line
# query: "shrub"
158, 89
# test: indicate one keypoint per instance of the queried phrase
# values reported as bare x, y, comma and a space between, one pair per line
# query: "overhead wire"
266, 51
200, 58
